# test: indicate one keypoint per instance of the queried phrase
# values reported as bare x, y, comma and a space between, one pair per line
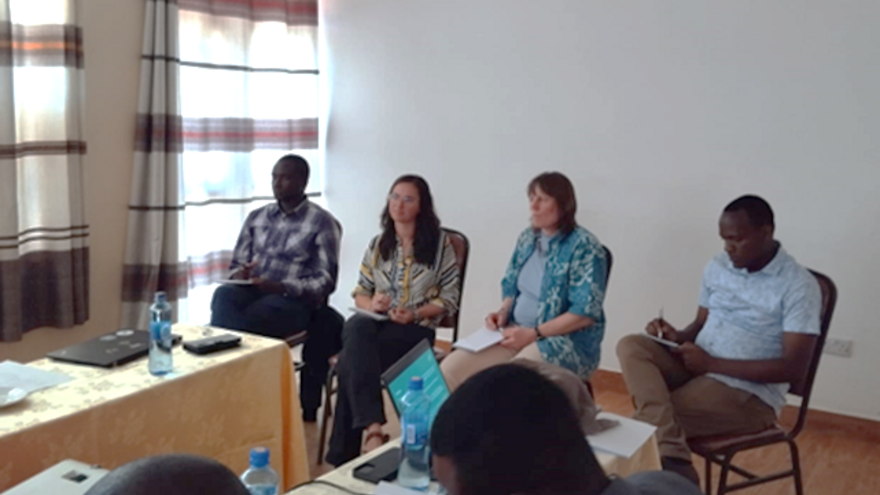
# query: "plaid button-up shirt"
299, 249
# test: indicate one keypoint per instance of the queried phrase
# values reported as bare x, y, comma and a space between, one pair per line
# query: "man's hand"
497, 320
380, 303
659, 328
402, 316
695, 359
244, 271
516, 338
269, 286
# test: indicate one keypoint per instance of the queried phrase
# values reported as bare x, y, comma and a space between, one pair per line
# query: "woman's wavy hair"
427, 224
559, 188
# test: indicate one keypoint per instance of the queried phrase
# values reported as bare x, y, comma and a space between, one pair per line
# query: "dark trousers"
368, 348
250, 310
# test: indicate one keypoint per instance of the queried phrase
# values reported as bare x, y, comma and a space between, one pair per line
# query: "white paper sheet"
479, 340
369, 314
27, 378
236, 281
624, 439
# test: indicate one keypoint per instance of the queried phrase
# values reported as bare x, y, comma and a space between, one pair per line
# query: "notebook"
113, 349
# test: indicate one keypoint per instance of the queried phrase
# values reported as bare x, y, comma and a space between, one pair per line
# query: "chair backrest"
609, 260
462, 250
804, 386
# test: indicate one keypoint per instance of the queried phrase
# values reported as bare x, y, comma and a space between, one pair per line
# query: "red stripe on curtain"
140, 282
41, 46
242, 134
291, 12
160, 133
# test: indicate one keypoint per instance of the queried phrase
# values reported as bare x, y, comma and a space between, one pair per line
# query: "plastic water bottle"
415, 469
161, 361
260, 478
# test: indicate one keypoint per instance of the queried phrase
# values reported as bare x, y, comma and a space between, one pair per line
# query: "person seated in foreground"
172, 474
508, 430
409, 273
552, 291
755, 329
289, 251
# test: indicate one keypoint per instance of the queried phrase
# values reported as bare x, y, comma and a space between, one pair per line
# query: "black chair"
609, 260
720, 449
462, 248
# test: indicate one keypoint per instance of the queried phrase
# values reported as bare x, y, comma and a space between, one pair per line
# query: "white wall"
660, 112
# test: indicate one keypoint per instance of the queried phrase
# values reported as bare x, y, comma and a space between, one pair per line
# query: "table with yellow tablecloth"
218, 405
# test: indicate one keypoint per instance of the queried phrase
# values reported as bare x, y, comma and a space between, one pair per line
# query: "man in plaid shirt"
288, 256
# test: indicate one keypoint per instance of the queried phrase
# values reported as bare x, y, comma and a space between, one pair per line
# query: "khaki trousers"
681, 404
460, 365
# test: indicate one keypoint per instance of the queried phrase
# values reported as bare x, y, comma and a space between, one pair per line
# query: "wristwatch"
538, 333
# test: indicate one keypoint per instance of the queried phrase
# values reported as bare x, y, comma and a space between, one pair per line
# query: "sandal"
375, 434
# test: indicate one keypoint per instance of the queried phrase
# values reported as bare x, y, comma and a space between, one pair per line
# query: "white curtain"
43, 231
248, 94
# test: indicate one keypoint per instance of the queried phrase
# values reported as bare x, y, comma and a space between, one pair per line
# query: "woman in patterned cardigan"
552, 291
409, 273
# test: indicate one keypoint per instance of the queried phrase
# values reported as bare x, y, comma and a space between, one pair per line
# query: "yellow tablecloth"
647, 458
219, 405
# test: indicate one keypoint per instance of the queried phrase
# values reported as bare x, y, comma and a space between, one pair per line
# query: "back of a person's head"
172, 474
510, 430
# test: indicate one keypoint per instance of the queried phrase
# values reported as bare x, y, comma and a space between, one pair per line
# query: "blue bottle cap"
160, 297
415, 383
259, 457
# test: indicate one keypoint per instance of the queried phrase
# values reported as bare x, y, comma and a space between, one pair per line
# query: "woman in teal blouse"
552, 291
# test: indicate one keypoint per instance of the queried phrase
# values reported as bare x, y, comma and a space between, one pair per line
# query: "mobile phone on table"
383, 467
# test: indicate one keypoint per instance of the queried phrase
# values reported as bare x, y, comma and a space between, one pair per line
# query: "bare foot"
374, 438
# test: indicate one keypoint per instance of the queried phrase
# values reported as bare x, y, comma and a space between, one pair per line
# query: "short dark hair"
427, 224
300, 166
559, 188
172, 474
510, 430
758, 210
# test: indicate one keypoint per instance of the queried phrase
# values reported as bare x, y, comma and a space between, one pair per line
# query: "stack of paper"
479, 340
28, 378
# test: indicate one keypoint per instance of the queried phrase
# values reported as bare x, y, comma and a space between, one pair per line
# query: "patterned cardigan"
574, 282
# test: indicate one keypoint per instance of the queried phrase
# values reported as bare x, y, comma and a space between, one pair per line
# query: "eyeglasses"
406, 199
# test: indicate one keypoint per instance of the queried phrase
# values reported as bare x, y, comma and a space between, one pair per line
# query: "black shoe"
680, 466
310, 415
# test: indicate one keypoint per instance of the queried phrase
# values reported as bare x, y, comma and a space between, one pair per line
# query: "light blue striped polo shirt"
749, 312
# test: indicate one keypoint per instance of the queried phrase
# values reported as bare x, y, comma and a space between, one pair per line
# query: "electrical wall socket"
838, 347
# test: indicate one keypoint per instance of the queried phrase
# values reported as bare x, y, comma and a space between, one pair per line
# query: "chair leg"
328, 406
725, 470
796, 468
708, 480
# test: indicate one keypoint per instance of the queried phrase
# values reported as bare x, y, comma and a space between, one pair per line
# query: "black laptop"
113, 349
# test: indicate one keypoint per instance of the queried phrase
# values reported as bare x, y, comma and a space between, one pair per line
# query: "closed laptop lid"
113, 349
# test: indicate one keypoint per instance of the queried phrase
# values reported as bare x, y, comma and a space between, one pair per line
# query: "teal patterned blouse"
574, 282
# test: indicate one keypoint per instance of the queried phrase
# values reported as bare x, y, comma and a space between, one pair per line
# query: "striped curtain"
44, 256
227, 88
